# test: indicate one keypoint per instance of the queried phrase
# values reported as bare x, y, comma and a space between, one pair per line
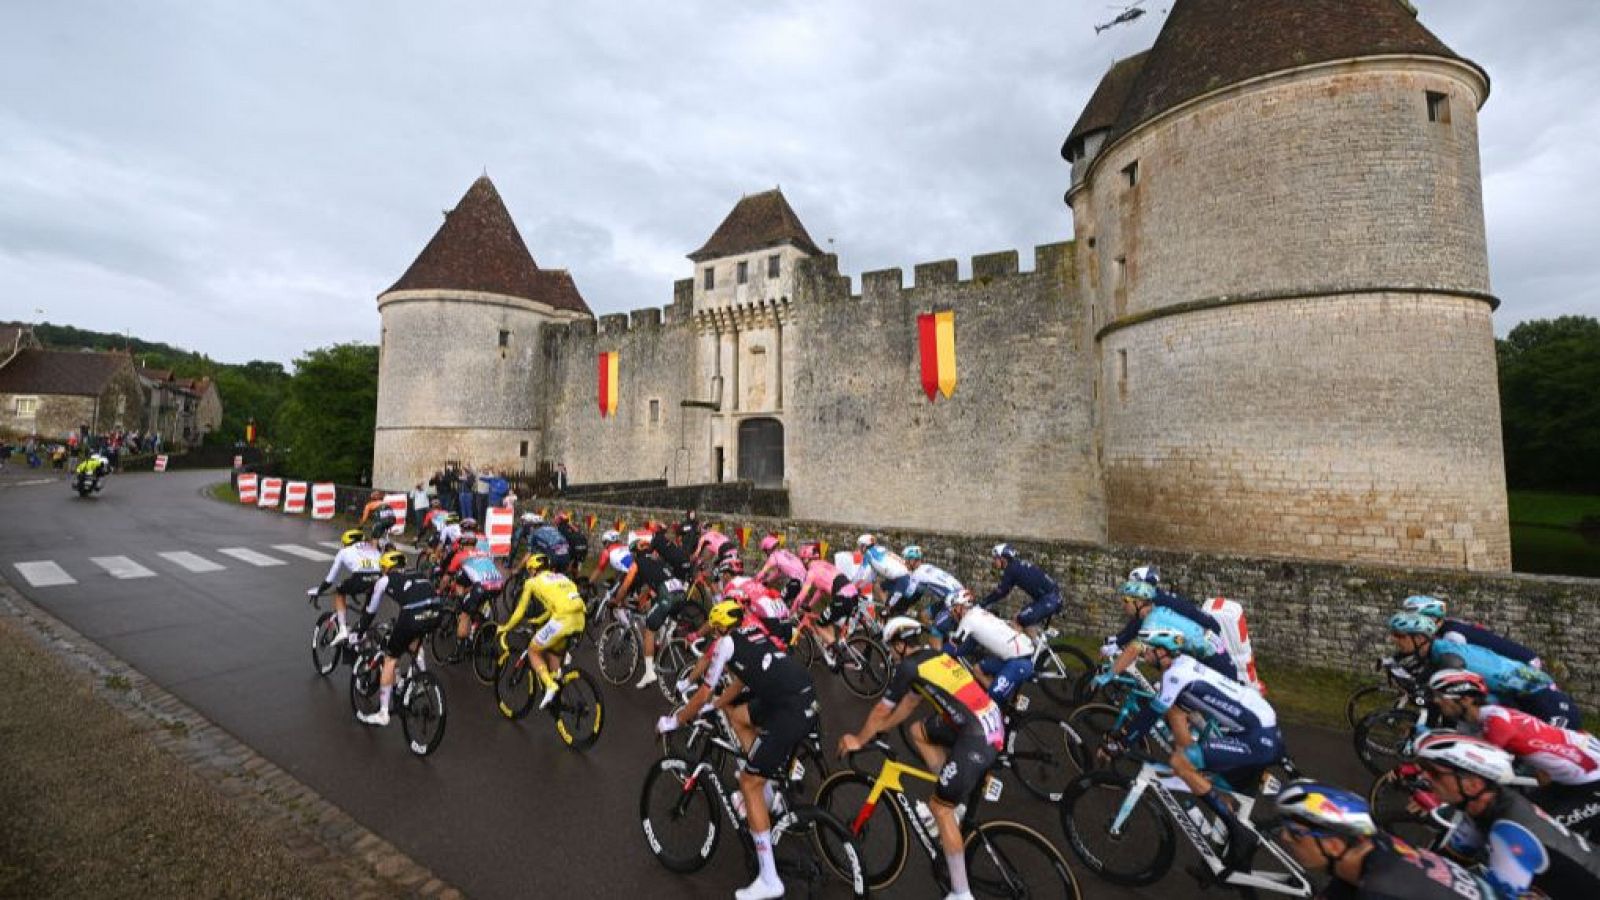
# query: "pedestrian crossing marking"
245, 554
121, 567
332, 544
303, 552
43, 573
193, 562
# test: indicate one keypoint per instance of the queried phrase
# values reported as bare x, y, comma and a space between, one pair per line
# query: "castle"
1270, 334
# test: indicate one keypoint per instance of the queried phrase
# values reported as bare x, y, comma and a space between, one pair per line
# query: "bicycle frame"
890, 779
1159, 780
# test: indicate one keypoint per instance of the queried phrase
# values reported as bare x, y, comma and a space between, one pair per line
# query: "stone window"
1122, 374
27, 407
1130, 172
1438, 107
505, 338
711, 278
522, 450
772, 266
743, 272
655, 411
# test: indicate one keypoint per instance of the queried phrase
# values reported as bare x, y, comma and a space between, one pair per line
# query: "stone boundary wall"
1320, 614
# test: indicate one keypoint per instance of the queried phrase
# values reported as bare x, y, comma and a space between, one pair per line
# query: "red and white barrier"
247, 487
322, 500
397, 502
271, 492
497, 526
294, 497
161, 463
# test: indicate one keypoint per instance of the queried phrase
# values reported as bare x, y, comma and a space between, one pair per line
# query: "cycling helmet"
353, 536
1146, 573
1138, 590
733, 565
1457, 684
536, 563
736, 592
1325, 809
469, 524
962, 597
1169, 639
434, 503
1474, 756
562, 518
610, 536
468, 539
640, 541
769, 543
911, 552
394, 559
725, 615
452, 518
530, 519
901, 628
866, 540
809, 552
1423, 605
1412, 623
1003, 551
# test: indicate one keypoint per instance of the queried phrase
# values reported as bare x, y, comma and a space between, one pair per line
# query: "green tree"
1550, 404
329, 413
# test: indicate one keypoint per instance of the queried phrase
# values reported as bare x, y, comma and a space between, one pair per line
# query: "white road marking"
194, 562
245, 554
121, 567
43, 573
334, 544
303, 552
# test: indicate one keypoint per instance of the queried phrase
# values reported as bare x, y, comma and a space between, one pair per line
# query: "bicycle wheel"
1365, 701
1388, 800
422, 713
506, 600
680, 816
514, 687
365, 673
1139, 853
1008, 859
324, 652
692, 615
1059, 671
804, 649
1042, 749
815, 853
673, 660
578, 710
1382, 737
864, 666
1090, 722
880, 830
619, 652
485, 652
445, 644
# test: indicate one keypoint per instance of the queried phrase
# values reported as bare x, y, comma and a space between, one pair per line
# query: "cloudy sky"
242, 179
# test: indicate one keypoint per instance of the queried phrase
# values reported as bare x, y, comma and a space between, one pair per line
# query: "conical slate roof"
1209, 44
1106, 104
478, 248
756, 222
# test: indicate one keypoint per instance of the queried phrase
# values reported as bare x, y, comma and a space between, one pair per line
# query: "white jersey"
450, 533
618, 558
881, 565
934, 582
356, 559
1197, 687
993, 634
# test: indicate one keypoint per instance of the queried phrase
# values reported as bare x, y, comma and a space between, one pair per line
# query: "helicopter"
1129, 13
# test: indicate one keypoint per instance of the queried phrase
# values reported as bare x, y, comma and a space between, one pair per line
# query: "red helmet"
809, 552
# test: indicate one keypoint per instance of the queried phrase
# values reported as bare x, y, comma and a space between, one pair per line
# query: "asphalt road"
502, 808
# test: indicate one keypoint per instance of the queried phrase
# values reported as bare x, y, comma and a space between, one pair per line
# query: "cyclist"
577, 541
688, 531
883, 569
671, 553
355, 569
780, 713
1007, 654
420, 611
930, 583
667, 593
1044, 596
1246, 738
95, 468
824, 580
1331, 830
477, 580
1468, 632
547, 539
522, 537
960, 740
1520, 845
614, 560
712, 548
1145, 608
441, 545
1567, 762
560, 619
1532, 691
781, 567
432, 521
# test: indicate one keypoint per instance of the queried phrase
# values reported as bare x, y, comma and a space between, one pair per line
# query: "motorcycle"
86, 483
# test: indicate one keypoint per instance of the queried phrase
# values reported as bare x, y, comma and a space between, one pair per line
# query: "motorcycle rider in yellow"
560, 619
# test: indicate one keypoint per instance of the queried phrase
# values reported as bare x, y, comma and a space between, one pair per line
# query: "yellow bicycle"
577, 709
1004, 859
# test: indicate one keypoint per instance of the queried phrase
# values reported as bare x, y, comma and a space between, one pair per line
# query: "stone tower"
461, 347
1279, 221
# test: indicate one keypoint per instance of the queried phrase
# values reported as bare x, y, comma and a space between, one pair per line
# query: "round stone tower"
1279, 218
460, 352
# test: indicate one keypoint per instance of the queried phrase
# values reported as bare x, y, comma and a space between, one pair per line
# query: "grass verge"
1552, 509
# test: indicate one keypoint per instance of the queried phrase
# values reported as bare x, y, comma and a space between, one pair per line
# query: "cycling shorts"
1577, 806
554, 635
1039, 610
358, 584
1238, 758
1223, 665
1553, 706
782, 728
841, 608
666, 604
1009, 675
970, 758
412, 625
895, 591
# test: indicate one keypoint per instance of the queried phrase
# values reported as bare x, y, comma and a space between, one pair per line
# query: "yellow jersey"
557, 597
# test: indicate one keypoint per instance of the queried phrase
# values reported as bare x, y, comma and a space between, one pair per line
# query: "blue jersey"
1175, 604
1478, 636
1505, 677
1189, 684
1018, 574
548, 540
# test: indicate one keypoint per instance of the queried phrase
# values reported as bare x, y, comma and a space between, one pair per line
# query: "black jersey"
654, 574
1395, 870
1525, 845
774, 678
671, 554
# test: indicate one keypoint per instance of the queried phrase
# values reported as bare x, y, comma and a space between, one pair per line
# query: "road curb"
311, 827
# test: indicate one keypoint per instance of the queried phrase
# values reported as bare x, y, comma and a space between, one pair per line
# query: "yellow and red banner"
608, 384
588, 522
936, 343
743, 533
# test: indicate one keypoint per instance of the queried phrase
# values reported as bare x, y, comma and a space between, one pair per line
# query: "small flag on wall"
743, 531
588, 522
608, 384
936, 343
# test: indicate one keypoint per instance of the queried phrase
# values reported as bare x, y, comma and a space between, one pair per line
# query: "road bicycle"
1398, 686
686, 802
1122, 829
418, 695
577, 710
327, 651
481, 645
1383, 738
620, 648
1004, 859
1059, 668
860, 658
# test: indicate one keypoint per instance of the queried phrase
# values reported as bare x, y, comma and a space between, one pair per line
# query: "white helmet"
531, 519
1472, 755
1147, 574
962, 597
901, 628
610, 536
866, 540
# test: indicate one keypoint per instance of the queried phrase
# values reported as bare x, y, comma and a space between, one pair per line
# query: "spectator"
419, 504
499, 487
561, 478
480, 492
464, 487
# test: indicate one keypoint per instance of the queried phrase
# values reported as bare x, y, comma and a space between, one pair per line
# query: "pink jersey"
711, 543
1568, 757
781, 564
821, 576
